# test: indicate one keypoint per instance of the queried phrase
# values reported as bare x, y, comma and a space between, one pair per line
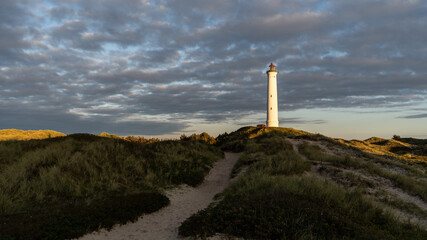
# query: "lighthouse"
272, 108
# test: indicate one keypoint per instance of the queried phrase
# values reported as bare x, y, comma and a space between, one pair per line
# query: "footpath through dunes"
184, 201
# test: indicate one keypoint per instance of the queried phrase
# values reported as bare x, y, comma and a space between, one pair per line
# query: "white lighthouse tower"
272, 108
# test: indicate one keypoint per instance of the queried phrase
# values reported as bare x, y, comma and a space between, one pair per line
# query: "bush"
63, 222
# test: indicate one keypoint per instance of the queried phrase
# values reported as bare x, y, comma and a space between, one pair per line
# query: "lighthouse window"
271, 95
271, 108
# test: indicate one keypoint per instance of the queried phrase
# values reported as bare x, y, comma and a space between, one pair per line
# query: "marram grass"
278, 198
52, 178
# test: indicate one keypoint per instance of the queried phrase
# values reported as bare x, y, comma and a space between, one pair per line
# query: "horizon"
177, 137
350, 70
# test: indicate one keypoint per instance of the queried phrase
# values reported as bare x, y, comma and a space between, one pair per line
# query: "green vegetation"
15, 134
408, 184
403, 205
64, 222
137, 139
413, 141
418, 147
295, 207
409, 149
107, 135
272, 154
57, 181
204, 137
276, 199
65, 186
236, 141
409, 167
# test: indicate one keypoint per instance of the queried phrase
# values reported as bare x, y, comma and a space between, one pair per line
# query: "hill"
407, 148
61, 188
15, 134
288, 184
296, 185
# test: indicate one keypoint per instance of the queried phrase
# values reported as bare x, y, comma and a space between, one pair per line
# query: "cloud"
421, 115
300, 121
206, 60
71, 123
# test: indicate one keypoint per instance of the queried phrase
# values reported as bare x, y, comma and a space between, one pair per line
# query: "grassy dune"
84, 181
292, 185
15, 134
403, 181
280, 197
236, 141
406, 148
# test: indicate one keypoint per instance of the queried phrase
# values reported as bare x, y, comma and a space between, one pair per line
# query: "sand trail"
184, 201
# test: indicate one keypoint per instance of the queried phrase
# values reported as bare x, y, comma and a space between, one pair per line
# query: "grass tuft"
406, 183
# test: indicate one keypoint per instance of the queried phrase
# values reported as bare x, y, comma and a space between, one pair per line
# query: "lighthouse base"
272, 123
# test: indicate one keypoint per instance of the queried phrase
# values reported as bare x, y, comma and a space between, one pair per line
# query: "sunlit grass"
15, 134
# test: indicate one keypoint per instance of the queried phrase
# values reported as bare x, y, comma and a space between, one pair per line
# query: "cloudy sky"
350, 69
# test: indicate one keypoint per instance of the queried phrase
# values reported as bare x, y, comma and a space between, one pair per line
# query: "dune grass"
275, 199
237, 141
416, 169
61, 175
63, 187
408, 149
67, 221
406, 183
271, 152
16, 134
263, 206
408, 207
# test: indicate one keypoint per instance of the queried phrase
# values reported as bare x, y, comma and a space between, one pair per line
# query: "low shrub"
63, 222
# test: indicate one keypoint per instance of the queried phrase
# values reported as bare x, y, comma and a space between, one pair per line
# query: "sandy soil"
184, 201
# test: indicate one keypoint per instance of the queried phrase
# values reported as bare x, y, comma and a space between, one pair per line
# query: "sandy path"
184, 201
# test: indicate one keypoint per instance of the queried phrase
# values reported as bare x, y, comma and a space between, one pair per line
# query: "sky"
347, 69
